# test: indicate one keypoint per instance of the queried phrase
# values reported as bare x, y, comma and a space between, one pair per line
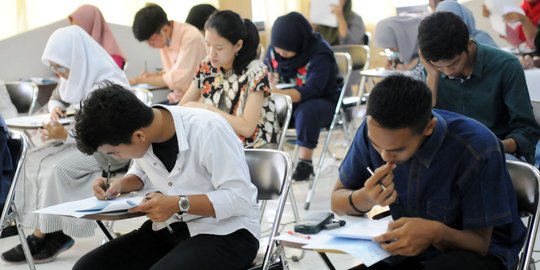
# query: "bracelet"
352, 204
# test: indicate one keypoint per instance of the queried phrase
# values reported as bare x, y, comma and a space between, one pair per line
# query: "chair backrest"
344, 63
23, 95
526, 181
359, 53
284, 113
18, 145
271, 173
536, 110
144, 95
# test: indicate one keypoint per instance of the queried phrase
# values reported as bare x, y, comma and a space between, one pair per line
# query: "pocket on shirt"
441, 212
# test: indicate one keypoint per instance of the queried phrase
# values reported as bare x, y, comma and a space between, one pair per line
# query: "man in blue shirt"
443, 176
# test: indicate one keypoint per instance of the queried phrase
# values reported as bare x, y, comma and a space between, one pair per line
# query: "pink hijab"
90, 19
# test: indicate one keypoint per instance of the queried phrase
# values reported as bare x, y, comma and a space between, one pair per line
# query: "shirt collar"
181, 136
175, 37
432, 144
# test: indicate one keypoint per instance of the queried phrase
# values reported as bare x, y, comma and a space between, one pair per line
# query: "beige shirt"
181, 59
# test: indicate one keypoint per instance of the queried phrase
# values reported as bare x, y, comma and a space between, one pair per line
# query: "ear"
238, 45
430, 126
138, 137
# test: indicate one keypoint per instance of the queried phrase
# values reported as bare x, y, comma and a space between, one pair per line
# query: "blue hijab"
292, 32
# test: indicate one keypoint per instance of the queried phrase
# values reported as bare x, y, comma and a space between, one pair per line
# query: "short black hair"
442, 36
232, 27
400, 102
199, 14
109, 115
148, 21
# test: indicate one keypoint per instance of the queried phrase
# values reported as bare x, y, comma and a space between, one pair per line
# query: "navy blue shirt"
458, 177
6, 164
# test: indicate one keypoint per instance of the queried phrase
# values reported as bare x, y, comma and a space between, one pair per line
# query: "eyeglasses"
58, 69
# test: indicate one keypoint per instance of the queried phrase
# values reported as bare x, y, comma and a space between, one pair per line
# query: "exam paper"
91, 206
367, 251
364, 229
320, 12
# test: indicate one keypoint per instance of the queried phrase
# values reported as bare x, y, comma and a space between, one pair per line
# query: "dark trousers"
309, 117
452, 260
148, 249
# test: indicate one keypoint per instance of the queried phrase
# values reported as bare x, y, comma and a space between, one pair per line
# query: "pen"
108, 175
371, 172
301, 235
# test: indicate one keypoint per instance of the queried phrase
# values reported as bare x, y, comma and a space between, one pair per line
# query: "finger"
394, 225
390, 199
378, 174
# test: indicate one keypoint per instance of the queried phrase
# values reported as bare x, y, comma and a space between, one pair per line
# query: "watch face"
184, 204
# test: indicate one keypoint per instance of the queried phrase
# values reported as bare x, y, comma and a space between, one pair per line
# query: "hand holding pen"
105, 189
380, 186
157, 207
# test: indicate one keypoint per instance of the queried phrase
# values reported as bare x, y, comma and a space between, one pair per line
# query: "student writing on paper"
233, 82
58, 173
300, 56
90, 19
181, 47
350, 28
194, 158
398, 34
479, 81
445, 181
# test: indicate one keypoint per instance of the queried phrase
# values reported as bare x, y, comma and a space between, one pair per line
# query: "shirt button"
170, 184
155, 163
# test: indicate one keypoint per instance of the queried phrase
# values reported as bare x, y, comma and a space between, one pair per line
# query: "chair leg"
319, 167
263, 207
24, 243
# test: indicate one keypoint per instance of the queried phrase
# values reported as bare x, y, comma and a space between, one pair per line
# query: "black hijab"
292, 32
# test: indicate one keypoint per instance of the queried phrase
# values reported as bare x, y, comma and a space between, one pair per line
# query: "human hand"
485, 11
273, 79
54, 131
337, 10
57, 113
104, 192
409, 236
527, 62
380, 187
134, 81
511, 17
430, 69
157, 206
173, 98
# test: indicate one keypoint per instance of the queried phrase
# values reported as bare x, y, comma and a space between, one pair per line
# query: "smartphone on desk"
313, 223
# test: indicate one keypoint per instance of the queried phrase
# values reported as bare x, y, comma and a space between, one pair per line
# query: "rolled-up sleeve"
234, 194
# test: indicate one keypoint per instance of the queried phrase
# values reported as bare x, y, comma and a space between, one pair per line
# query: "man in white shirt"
205, 204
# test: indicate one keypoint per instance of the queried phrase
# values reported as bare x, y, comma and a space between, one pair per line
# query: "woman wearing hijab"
301, 57
57, 172
398, 34
466, 15
350, 28
90, 19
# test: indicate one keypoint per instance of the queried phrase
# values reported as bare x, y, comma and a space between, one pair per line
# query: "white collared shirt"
210, 161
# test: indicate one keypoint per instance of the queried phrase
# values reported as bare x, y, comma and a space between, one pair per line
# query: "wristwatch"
183, 204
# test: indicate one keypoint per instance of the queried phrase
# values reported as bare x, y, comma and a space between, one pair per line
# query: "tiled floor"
321, 202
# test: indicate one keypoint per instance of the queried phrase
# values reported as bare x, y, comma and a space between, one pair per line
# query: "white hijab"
87, 61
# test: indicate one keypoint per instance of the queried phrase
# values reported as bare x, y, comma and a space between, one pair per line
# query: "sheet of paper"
320, 12
91, 206
147, 86
367, 251
362, 229
498, 8
35, 121
285, 85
